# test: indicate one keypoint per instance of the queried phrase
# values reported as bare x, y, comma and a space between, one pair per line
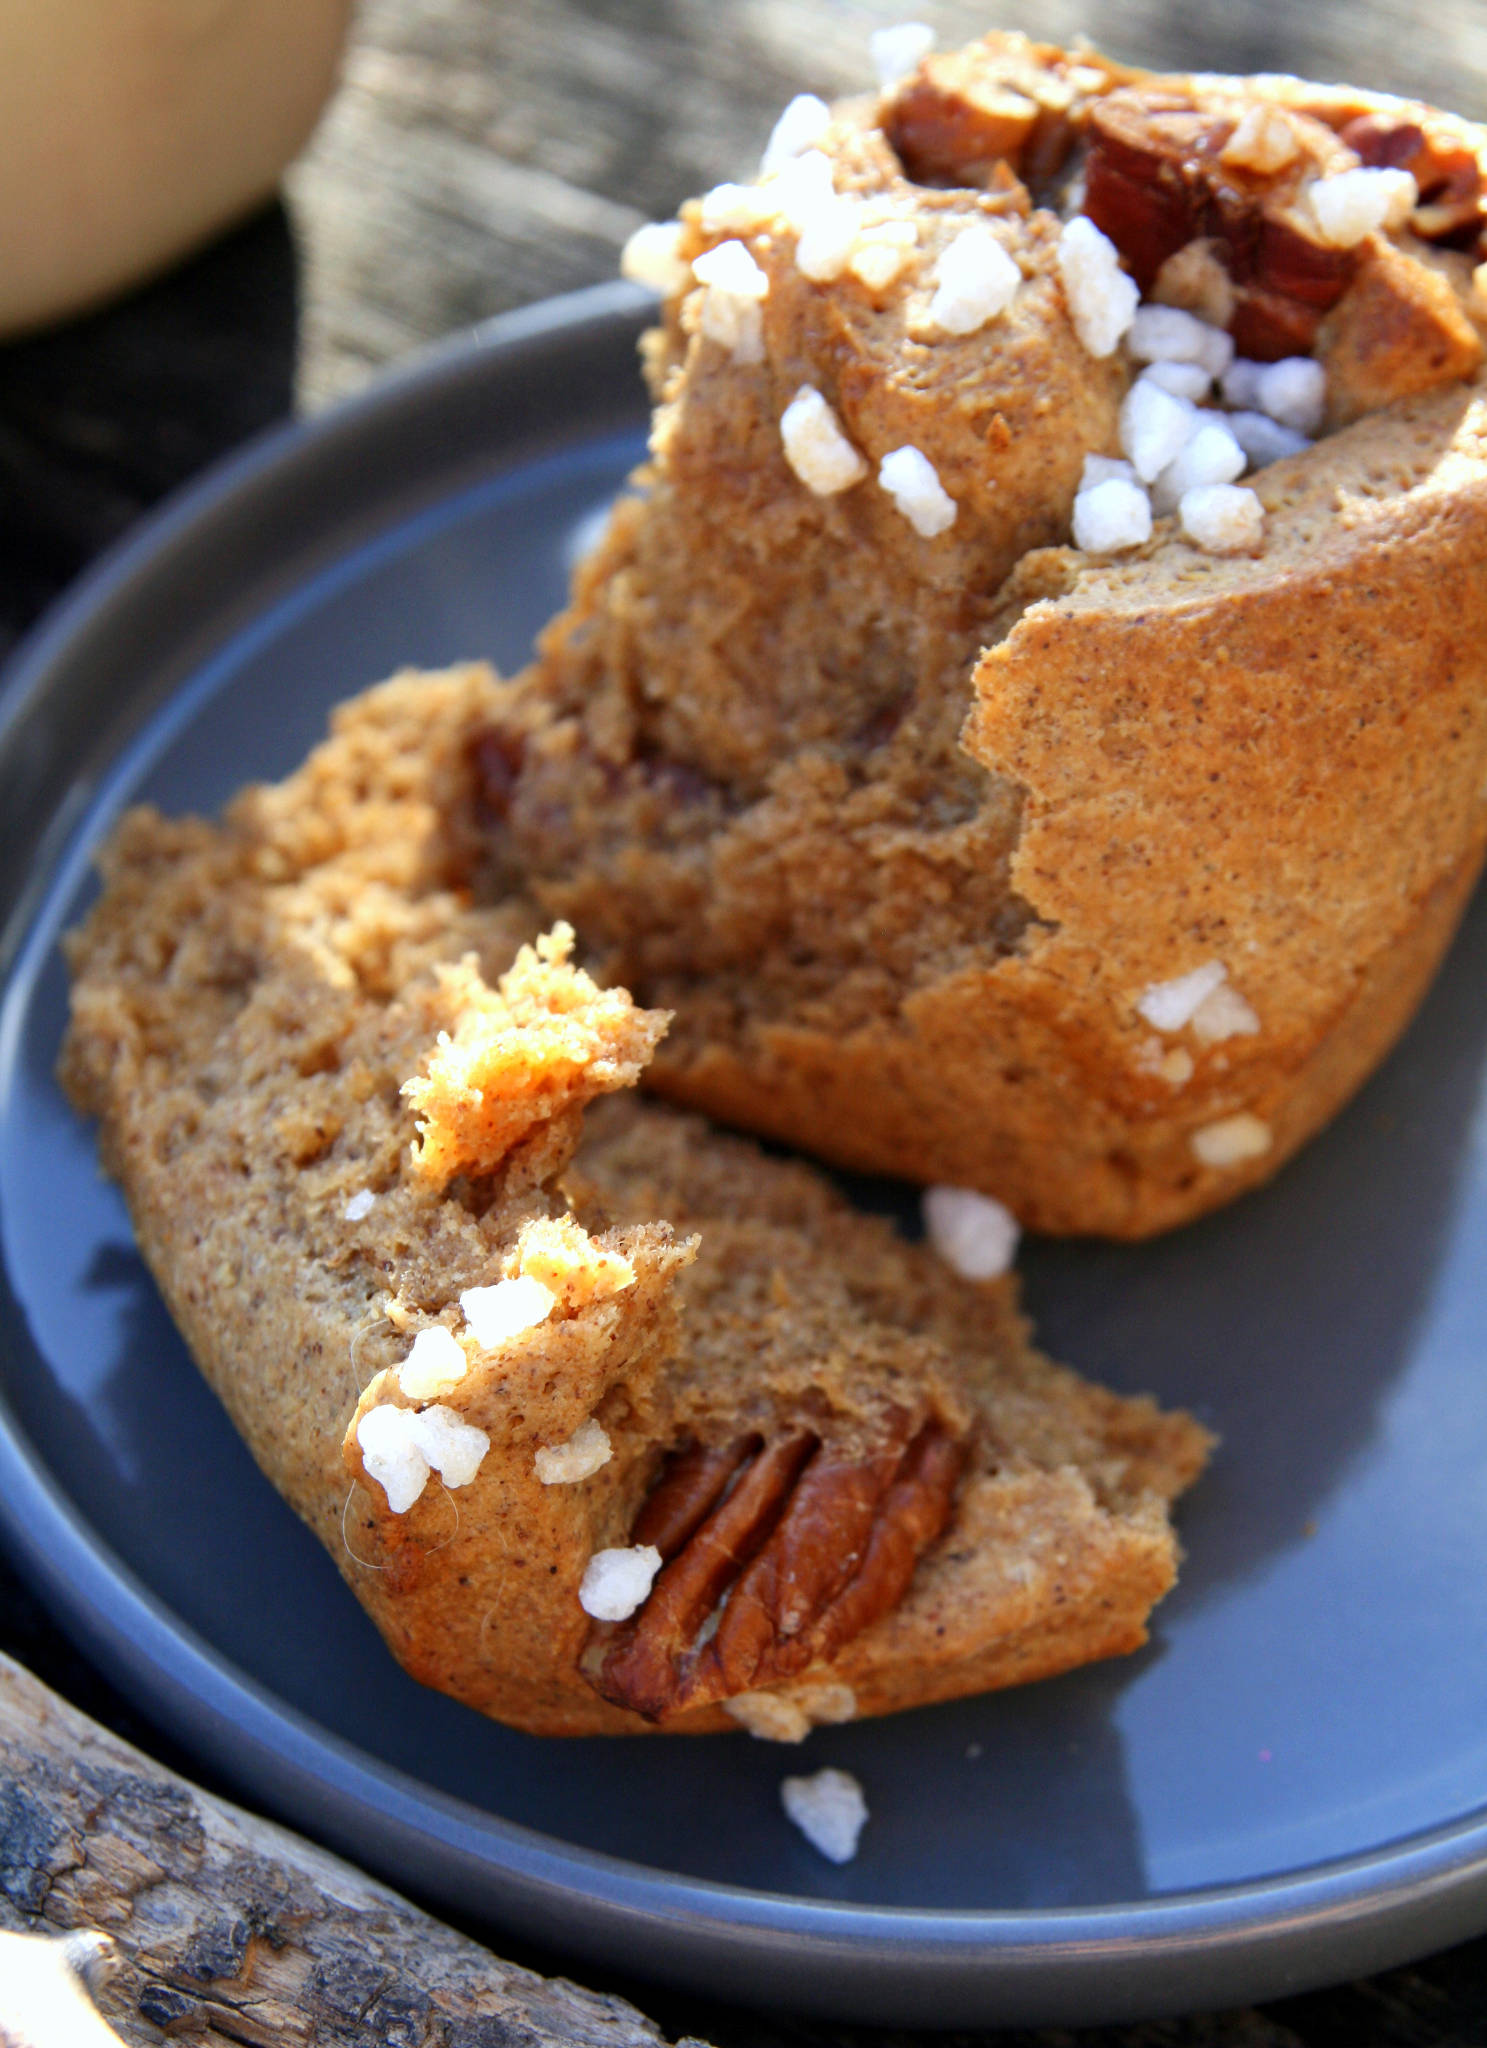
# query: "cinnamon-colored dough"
904, 829
277, 1017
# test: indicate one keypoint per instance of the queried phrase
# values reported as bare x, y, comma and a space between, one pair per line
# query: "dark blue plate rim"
1212, 1947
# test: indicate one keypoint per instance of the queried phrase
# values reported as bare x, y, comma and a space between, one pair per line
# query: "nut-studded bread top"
343, 1100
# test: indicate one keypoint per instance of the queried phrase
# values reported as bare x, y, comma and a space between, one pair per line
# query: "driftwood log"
225, 1928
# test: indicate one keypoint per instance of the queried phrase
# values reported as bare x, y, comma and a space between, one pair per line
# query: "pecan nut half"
1156, 181
776, 1555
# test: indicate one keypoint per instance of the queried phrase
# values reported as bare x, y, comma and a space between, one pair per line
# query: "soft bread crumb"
899, 50
975, 1235
1102, 299
976, 280
911, 480
815, 446
434, 1365
1232, 1141
582, 1455
802, 124
558, 1253
616, 1582
1352, 204
496, 1314
545, 1041
830, 1811
652, 257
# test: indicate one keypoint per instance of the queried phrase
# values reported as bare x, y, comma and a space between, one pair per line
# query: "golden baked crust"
339, 1094
906, 829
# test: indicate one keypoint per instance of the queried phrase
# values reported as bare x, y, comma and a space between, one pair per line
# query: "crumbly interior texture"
904, 828
340, 1091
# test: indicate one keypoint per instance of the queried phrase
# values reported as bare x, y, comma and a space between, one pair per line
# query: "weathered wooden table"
482, 154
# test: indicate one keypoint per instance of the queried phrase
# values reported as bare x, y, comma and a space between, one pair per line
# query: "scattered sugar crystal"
1351, 204
1224, 1014
616, 1582
1240, 383
1264, 141
1170, 1063
769, 1716
1154, 428
1166, 334
1099, 469
584, 1452
910, 479
452, 1447
1112, 516
802, 187
790, 1717
1183, 380
360, 1205
829, 1810
730, 309
815, 446
1232, 1140
881, 251
736, 209
1169, 1005
1222, 519
435, 1364
1102, 299
827, 235
652, 257
800, 127
976, 280
391, 1455
498, 1313
1263, 439
972, 1233
1293, 391
1212, 456
899, 50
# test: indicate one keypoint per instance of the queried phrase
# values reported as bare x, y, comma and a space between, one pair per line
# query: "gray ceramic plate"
1287, 1786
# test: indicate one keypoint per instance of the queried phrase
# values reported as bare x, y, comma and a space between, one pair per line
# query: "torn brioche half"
607, 1429
1096, 876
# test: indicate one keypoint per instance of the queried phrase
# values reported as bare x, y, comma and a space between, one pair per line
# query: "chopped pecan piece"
776, 1556
1447, 173
1156, 181
968, 117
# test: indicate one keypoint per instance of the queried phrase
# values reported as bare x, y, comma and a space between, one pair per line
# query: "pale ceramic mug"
132, 130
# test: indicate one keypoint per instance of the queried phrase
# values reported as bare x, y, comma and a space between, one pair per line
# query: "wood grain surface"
484, 153
481, 154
